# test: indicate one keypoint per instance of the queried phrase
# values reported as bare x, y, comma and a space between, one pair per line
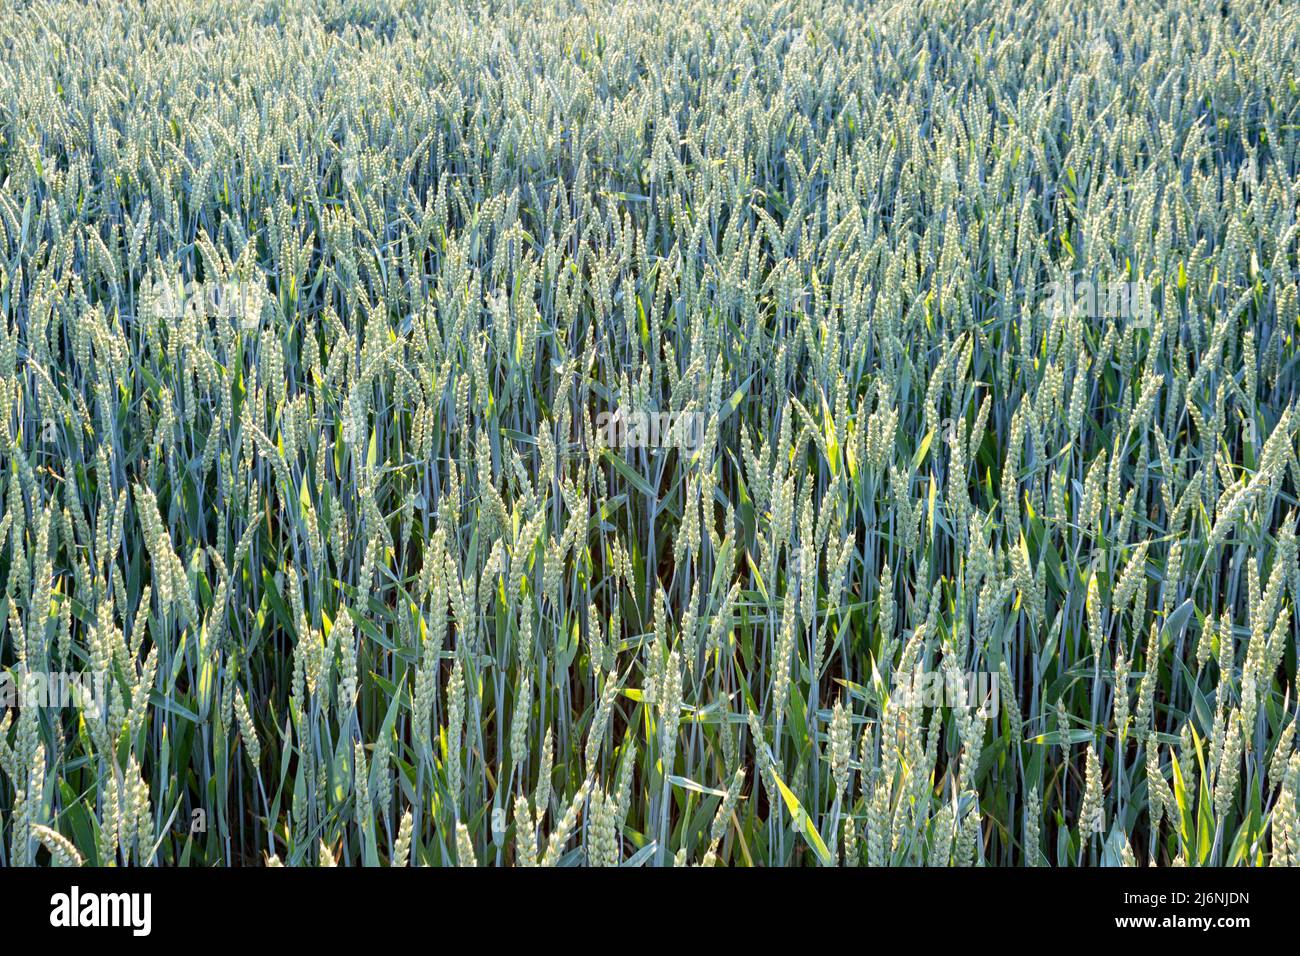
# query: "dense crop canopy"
649, 433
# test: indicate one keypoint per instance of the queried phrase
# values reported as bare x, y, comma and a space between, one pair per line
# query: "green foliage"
312, 313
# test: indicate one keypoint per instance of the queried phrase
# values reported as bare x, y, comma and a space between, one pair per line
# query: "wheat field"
649, 434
